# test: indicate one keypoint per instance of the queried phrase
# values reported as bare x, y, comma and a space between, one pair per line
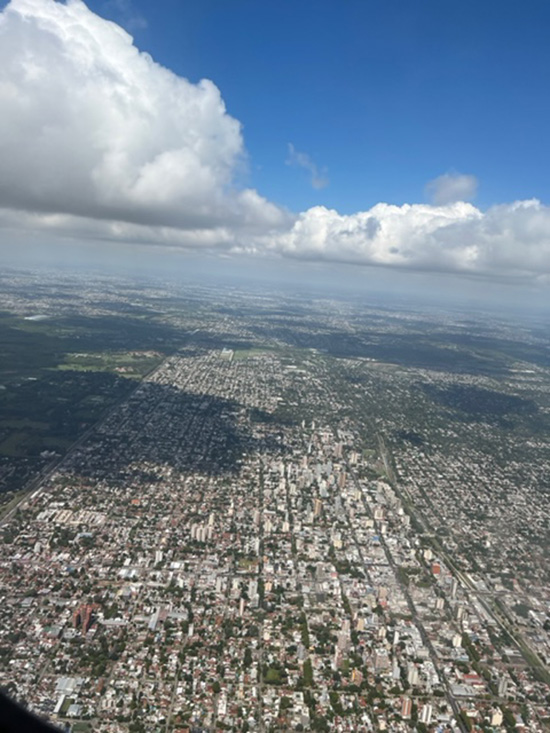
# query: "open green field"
289, 354
240, 354
131, 364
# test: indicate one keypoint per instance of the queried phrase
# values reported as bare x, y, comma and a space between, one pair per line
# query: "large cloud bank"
97, 141
90, 127
512, 239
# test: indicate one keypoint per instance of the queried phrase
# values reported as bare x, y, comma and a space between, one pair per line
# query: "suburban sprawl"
254, 511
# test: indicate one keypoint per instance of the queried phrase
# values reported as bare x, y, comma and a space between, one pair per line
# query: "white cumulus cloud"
97, 141
90, 127
511, 239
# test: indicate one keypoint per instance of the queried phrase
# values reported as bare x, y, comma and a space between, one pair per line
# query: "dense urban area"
239, 510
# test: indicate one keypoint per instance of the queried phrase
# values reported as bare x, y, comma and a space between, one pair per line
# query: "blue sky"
387, 95
401, 135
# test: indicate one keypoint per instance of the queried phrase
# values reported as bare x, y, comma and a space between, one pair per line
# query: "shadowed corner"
15, 719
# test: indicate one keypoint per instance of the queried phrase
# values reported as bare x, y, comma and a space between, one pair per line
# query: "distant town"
271, 512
